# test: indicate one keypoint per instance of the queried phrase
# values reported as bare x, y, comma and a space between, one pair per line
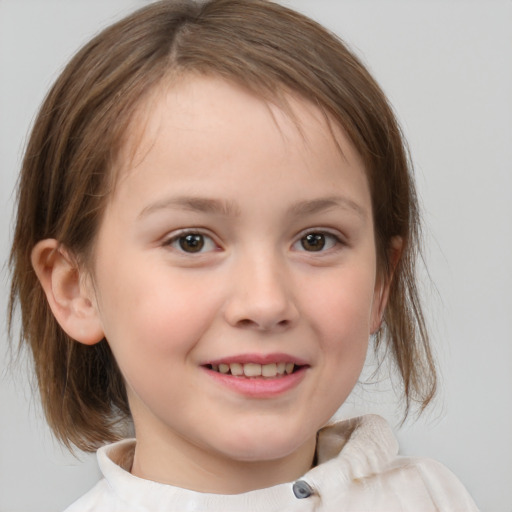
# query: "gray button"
302, 489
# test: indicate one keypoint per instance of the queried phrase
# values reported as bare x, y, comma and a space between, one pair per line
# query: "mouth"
258, 376
256, 370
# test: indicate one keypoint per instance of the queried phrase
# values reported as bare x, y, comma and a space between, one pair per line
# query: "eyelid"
174, 236
335, 235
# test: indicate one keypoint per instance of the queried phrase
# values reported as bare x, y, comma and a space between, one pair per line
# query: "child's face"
232, 238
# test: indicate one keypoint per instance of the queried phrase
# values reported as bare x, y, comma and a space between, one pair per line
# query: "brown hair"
67, 174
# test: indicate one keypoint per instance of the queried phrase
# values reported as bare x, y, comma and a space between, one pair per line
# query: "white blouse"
358, 470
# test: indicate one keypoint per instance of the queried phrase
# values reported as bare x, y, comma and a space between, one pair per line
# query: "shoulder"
360, 469
113, 460
433, 480
98, 498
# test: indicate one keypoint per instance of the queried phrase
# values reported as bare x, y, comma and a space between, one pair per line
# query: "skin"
217, 163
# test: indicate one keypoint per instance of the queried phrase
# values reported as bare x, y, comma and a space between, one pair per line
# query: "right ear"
69, 293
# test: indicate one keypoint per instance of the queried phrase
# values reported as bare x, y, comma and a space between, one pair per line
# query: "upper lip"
258, 359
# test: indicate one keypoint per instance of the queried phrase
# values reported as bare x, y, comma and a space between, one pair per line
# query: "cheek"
151, 314
153, 325
340, 316
343, 310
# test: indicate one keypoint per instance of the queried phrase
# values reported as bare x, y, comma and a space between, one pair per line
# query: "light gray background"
447, 67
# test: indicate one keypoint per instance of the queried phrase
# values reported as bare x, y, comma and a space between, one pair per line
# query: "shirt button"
302, 489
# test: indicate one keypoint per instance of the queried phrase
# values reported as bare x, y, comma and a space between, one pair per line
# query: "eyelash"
327, 235
175, 241
321, 236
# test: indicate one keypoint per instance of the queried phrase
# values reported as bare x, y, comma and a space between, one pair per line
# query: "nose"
261, 295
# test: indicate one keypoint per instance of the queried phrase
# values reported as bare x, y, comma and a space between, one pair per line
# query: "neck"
182, 464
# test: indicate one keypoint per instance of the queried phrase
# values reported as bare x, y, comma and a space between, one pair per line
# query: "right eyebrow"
196, 204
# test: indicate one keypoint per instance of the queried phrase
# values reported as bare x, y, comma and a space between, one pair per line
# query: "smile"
260, 376
270, 370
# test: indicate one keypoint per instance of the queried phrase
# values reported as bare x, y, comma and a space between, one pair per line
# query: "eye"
191, 242
316, 241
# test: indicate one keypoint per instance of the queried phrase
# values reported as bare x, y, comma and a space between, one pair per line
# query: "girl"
215, 214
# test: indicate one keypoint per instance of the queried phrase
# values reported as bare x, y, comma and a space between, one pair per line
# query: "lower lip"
260, 387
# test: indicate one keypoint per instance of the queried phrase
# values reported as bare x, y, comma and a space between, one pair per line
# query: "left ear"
383, 285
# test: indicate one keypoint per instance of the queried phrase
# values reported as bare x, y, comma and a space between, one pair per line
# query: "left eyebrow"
322, 204
196, 204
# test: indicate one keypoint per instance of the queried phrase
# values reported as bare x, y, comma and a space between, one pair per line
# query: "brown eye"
317, 241
191, 243
313, 241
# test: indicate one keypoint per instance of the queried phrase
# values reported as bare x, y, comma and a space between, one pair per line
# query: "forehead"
208, 103
198, 125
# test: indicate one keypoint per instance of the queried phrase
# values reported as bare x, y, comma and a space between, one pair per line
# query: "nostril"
245, 322
264, 326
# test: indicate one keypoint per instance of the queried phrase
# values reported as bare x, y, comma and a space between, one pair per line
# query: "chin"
263, 446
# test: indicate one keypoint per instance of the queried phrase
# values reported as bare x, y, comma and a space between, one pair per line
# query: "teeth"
269, 370
254, 369
236, 369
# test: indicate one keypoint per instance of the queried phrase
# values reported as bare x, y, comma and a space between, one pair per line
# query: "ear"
383, 285
69, 293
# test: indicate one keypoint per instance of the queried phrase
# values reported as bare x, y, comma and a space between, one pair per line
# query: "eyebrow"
231, 209
195, 204
322, 204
